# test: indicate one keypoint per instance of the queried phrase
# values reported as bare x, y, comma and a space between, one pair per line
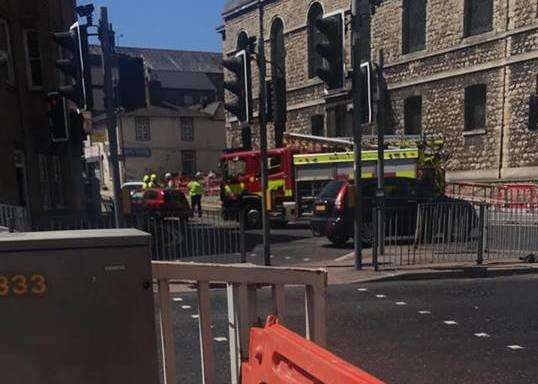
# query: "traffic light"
132, 82
533, 113
57, 113
331, 49
75, 68
239, 86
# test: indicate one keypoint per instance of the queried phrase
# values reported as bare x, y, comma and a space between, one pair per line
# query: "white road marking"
424, 312
287, 258
362, 289
450, 322
220, 339
515, 347
195, 316
306, 259
401, 303
186, 307
380, 296
481, 334
252, 255
177, 299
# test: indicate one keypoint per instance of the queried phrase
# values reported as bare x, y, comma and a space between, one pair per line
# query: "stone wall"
505, 59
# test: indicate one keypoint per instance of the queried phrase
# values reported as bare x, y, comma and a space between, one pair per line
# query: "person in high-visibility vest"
145, 182
153, 182
195, 192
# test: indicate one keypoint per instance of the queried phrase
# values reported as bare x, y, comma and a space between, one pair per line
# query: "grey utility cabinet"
77, 307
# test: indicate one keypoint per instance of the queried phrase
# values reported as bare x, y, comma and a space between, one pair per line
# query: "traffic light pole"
357, 134
381, 126
106, 36
262, 118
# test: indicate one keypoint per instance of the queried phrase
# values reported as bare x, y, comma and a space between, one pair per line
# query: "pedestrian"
195, 192
169, 181
153, 182
145, 182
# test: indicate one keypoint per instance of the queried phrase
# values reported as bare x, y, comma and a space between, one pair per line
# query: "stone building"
36, 173
461, 69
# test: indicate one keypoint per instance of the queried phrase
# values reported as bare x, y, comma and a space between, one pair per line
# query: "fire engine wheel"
253, 218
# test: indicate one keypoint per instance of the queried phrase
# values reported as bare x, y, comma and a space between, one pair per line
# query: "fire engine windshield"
233, 168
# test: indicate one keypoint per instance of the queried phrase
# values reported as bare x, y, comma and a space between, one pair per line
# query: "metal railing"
207, 238
243, 283
452, 232
14, 218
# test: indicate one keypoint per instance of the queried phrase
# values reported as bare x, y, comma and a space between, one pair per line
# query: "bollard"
11, 224
242, 241
481, 230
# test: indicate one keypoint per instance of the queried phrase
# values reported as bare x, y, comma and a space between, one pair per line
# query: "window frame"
28, 60
193, 159
10, 67
470, 125
183, 129
468, 30
407, 21
142, 136
408, 118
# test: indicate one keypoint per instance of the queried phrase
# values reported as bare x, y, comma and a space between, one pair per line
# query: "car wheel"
253, 218
338, 239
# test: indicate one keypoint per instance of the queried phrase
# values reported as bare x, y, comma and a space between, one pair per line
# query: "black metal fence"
209, 238
453, 232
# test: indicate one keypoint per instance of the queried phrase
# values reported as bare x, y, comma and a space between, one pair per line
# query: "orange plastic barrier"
277, 355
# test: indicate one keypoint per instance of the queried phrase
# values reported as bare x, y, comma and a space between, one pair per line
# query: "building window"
317, 123
475, 107
33, 59
142, 128
6, 58
315, 61
413, 115
242, 41
188, 162
414, 25
478, 16
187, 128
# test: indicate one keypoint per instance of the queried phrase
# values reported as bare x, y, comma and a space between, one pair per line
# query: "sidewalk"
342, 270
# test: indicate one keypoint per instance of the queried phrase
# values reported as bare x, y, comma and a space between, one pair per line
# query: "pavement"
465, 331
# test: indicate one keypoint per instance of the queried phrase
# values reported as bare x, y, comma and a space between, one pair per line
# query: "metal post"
242, 240
481, 227
381, 126
263, 138
357, 134
106, 36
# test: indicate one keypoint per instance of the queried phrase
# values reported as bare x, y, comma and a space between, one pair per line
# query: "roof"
173, 60
171, 111
232, 5
183, 80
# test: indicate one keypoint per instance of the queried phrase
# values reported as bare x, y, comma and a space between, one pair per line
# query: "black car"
334, 208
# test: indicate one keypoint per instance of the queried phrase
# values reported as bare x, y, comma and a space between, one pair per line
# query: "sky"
172, 24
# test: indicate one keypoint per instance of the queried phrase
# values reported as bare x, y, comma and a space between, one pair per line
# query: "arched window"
242, 40
278, 74
314, 37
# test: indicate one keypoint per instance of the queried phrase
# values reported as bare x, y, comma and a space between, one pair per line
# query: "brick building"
462, 69
36, 173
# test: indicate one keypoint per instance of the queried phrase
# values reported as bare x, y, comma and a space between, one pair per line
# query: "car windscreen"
330, 191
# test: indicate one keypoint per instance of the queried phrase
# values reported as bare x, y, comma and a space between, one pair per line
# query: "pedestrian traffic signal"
533, 113
239, 86
75, 68
57, 114
331, 49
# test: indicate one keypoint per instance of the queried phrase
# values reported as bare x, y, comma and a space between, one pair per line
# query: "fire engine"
295, 177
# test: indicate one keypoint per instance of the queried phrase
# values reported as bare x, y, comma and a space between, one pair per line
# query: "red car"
165, 202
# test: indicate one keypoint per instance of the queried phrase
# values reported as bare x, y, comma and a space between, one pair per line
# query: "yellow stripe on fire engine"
346, 157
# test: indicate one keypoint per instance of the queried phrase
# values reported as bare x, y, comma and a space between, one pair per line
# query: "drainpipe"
505, 88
